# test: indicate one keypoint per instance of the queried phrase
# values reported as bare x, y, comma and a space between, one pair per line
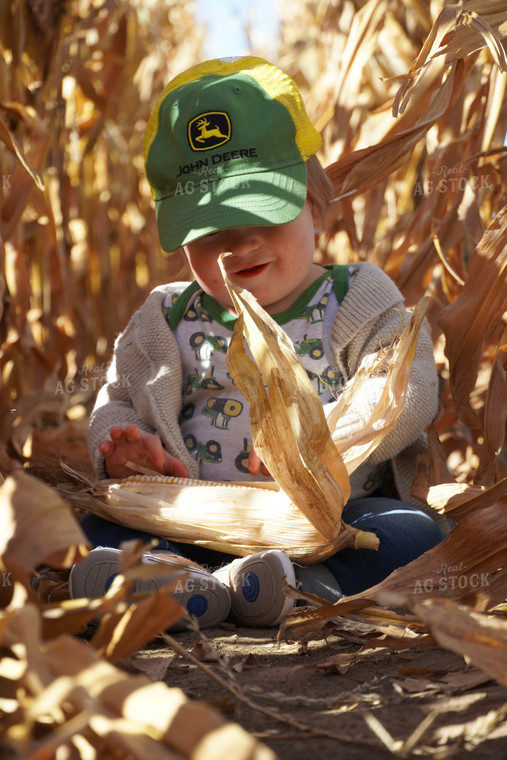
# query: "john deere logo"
209, 130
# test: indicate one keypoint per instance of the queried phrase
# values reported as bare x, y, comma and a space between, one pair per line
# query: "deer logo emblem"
208, 130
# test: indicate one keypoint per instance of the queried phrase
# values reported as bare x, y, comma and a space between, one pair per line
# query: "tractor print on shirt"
195, 314
330, 379
375, 478
222, 410
204, 345
210, 451
207, 383
187, 412
241, 461
314, 312
311, 347
166, 308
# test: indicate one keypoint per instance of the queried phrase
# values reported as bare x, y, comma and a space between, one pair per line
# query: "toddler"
230, 156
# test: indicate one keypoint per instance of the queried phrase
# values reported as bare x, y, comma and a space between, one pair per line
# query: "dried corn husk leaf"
468, 566
365, 168
480, 638
123, 634
458, 31
127, 620
460, 499
10, 141
478, 23
495, 417
285, 410
396, 365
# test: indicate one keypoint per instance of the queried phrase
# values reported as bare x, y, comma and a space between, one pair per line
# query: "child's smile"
251, 271
275, 263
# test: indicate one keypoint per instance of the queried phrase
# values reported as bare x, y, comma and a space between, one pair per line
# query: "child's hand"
130, 445
255, 464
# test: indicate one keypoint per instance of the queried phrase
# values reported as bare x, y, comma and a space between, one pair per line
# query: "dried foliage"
58, 691
414, 115
410, 98
78, 238
411, 101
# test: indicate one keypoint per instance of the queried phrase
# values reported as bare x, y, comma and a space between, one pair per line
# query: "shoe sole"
203, 597
256, 583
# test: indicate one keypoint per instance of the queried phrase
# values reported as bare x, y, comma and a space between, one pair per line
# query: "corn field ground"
410, 98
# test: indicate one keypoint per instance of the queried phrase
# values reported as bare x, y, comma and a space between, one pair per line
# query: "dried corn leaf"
128, 620
10, 141
285, 409
468, 566
495, 418
36, 526
458, 31
124, 633
363, 169
460, 499
480, 638
65, 688
478, 23
476, 314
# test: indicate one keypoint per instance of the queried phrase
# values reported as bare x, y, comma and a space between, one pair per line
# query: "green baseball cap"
226, 146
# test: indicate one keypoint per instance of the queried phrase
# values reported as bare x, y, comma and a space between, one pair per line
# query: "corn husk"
237, 518
396, 364
287, 421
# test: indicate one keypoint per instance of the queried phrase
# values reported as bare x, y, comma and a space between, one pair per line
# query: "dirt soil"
337, 698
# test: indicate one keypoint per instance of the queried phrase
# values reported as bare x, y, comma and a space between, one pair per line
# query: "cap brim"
214, 203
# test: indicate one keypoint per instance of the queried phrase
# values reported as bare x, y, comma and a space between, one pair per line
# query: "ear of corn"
231, 517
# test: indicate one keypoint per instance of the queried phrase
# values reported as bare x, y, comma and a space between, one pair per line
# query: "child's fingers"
161, 459
254, 463
116, 433
129, 444
178, 469
132, 434
106, 447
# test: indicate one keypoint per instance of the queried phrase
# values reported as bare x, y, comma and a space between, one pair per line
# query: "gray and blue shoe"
200, 593
255, 586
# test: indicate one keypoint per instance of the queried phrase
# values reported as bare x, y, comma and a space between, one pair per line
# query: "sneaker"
255, 587
200, 593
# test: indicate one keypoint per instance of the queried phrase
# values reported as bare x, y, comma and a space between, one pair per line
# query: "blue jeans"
404, 532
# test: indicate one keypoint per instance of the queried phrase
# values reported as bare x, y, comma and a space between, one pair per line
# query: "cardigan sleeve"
143, 385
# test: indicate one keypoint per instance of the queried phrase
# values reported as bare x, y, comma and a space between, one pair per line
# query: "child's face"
274, 263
